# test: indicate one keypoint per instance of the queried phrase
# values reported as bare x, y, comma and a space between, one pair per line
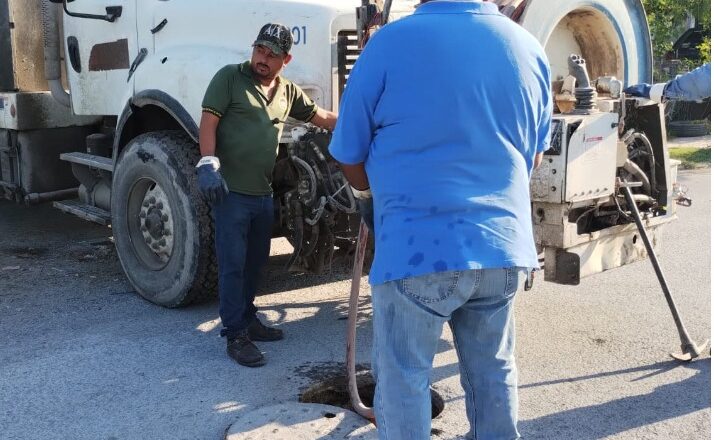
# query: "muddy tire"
162, 226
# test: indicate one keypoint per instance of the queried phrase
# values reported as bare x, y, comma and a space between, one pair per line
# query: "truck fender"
157, 98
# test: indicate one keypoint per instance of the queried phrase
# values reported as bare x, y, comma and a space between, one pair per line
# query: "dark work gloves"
641, 90
210, 181
653, 92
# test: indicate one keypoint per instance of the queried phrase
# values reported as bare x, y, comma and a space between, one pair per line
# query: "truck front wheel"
162, 228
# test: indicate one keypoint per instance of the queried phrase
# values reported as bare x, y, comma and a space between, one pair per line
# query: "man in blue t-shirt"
445, 115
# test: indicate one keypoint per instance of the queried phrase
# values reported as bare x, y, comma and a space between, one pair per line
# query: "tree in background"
668, 19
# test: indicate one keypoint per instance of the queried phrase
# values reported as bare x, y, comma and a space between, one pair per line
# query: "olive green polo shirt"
250, 127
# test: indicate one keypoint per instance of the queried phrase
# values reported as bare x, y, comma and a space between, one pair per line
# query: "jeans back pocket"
430, 288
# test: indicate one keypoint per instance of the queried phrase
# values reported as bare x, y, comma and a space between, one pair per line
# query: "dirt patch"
25, 252
92, 252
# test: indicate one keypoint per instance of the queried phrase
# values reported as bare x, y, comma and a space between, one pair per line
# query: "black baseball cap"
275, 37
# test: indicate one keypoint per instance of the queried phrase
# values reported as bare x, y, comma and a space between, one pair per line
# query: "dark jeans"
243, 230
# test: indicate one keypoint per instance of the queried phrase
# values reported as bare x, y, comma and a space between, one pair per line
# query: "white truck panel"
106, 50
197, 41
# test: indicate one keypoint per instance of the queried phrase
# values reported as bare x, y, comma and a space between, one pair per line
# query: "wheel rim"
151, 225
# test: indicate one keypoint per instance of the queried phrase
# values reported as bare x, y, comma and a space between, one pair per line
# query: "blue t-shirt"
447, 108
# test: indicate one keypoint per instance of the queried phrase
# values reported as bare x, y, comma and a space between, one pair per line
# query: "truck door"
100, 46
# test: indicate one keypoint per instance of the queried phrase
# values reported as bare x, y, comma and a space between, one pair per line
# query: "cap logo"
274, 31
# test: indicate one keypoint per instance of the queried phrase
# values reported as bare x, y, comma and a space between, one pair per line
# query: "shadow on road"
665, 402
278, 279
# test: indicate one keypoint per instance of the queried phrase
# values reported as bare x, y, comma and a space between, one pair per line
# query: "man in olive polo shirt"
244, 110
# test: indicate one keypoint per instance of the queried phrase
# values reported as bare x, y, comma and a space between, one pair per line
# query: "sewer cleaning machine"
100, 101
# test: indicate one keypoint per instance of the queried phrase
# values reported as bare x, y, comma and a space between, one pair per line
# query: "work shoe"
243, 351
257, 331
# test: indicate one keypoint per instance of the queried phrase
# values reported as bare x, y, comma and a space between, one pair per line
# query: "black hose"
651, 158
311, 174
297, 238
312, 243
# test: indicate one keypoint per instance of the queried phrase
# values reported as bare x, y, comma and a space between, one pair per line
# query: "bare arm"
207, 133
324, 119
356, 175
538, 160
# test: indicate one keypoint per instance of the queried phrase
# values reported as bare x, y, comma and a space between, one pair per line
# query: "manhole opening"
333, 390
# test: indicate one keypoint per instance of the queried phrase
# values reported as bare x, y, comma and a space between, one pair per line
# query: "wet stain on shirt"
416, 259
440, 266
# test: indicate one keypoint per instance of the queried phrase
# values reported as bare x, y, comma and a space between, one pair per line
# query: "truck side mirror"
113, 12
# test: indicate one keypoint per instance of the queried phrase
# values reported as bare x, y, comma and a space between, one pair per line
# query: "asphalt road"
83, 356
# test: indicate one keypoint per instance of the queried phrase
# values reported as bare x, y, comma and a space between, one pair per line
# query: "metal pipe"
636, 171
63, 194
59, 93
385, 12
690, 349
359, 407
51, 14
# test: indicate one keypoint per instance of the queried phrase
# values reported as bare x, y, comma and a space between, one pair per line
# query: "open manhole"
333, 390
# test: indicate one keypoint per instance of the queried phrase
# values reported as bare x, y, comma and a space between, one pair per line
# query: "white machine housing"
579, 174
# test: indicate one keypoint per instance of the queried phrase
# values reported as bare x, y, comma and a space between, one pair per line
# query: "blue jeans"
244, 227
409, 315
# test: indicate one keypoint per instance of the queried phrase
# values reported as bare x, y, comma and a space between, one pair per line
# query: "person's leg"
232, 220
408, 319
258, 251
484, 336
261, 231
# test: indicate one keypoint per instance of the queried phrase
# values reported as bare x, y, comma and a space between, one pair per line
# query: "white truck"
100, 101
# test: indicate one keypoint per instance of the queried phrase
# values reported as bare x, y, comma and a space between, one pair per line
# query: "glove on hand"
641, 90
652, 92
365, 206
210, 181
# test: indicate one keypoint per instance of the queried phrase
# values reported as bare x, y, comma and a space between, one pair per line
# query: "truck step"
84, 211
90, 160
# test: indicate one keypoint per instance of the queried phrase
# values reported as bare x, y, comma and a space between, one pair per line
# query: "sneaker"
257, 331
243, 351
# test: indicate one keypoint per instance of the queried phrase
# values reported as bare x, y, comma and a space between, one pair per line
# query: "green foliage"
691, 157
667, 19
705, 50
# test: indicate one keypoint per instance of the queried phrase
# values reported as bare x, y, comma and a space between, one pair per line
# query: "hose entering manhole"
333, 390
355, 390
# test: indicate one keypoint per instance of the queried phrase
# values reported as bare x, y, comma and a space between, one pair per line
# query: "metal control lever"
690, 349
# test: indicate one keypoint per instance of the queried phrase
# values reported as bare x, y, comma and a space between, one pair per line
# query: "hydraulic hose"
297, 225
357, 404
650, 157
636, 171
310, 173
